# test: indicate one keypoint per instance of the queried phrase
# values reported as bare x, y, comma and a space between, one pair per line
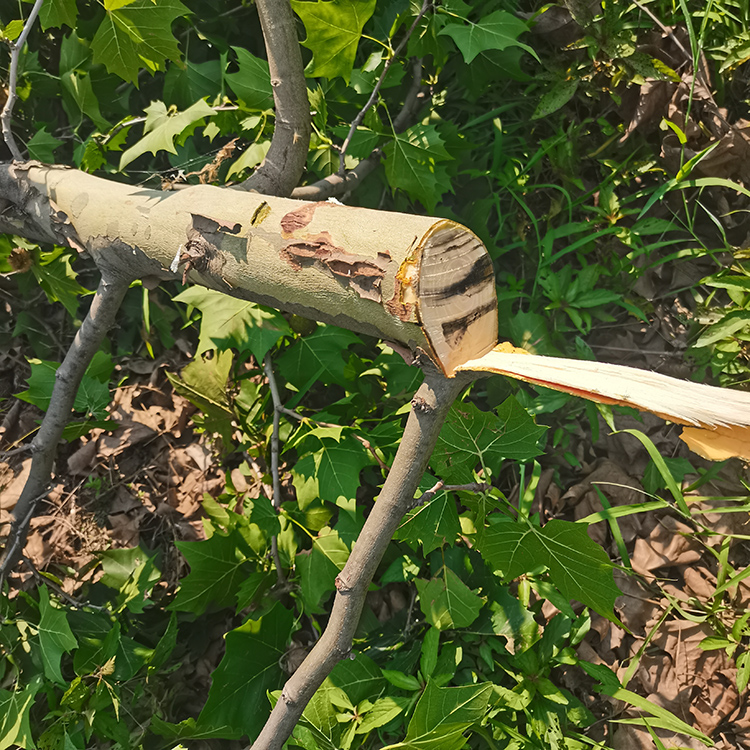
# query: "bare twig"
427, 496
15, 54
357, 121
101, 316
285, 160
51, 584
429, 408
337, 184
277, 407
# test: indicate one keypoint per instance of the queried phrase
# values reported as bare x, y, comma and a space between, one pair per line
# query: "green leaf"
577, 565
383, 710
252, 82
359, 677
42, 146
471, 438
189, 729
442, 715
319, 566
413, 164
319, 356
334, 28
498, 30
512, 620
229, 322
331, 472
136, 35
55, 13
15, 709
432, 525
216, 572
77, 84
133, 573
558, 96
57, 278
55, 636
162, 127
92, 396
447, 602
204, 383
249, 669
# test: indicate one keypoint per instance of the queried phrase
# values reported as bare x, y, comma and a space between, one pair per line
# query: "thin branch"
427, 496
100, 318
277, 407
300, 418
337, 184
285, 161
430, 406
15, 54
69, 600
357, 121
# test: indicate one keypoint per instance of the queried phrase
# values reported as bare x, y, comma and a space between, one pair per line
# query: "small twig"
293, 414
336, 184
100, 318
51, 584
425, 497
15, 53
277, 407
357, 121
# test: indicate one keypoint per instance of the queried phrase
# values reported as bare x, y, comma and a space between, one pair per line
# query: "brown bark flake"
299, 218
362, 275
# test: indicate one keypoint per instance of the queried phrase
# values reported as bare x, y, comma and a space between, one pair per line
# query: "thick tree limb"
101, 317
281, 171
430, 406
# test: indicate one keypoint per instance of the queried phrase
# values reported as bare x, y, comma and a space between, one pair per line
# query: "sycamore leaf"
55, 636
252, 82
334, 28
137, 34
498, 30
56, 276
55, 13
413, 164
471, 438
42, 146
447, 602
442, 715
319, 567
433, 524
319, 356
217, 570
162, 127
247, 672
229, 322
577, 565
331, 468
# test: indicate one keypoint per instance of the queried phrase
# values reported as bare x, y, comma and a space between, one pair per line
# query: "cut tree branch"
430, 407
15, 54
100, 318
282, 168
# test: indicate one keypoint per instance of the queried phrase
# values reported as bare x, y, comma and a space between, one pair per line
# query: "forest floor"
144, 481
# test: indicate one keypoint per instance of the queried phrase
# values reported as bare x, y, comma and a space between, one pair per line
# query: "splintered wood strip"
457, 298
677, 400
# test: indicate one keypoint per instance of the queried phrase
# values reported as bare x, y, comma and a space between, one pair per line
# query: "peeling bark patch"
260, 214
363, 276
299, 218
211, 225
